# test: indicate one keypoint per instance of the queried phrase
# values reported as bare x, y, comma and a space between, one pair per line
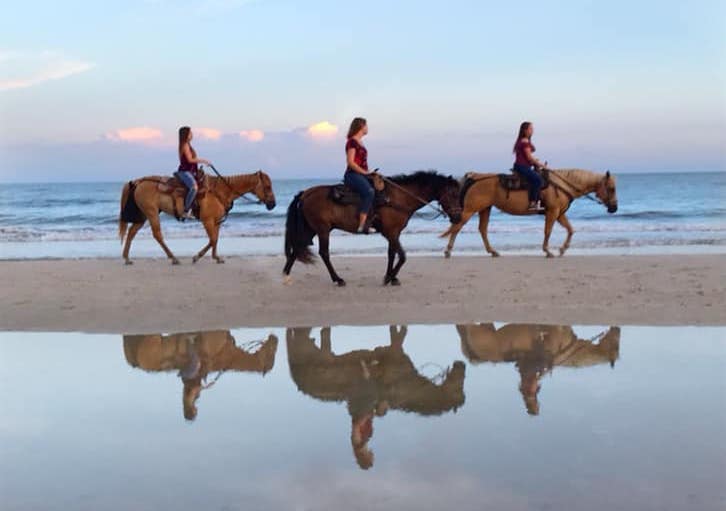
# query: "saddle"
345, 196
175, 187
513, 181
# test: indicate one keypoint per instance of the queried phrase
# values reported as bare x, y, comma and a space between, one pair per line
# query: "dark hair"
183, 137
356, 126
522, 128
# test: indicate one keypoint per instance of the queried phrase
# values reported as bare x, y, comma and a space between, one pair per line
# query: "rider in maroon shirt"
188, 171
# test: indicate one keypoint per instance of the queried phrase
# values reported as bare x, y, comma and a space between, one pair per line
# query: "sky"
97, 90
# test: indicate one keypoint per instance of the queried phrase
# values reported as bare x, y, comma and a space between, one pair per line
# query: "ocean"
658, 213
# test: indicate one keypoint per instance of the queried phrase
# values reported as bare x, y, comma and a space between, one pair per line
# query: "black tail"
298, 233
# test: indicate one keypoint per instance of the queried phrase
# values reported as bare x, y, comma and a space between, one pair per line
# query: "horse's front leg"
565, 222
212, 233
323, 250
550, 216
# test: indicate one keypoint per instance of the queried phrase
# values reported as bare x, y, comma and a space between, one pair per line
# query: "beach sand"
103, 295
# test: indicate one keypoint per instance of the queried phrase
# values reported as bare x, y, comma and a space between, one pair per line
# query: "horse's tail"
130, 211
122, 224
298, 233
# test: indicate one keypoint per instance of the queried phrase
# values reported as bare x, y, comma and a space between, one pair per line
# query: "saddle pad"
345, 196
514, 181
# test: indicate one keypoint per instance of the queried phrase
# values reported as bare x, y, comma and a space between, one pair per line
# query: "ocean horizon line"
323, 178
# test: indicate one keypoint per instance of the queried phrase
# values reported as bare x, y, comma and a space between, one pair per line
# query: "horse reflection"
370, 381
536, 350
195, 355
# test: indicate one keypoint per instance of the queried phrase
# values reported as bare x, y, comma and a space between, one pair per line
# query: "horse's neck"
238, 185
414, 194
582, 181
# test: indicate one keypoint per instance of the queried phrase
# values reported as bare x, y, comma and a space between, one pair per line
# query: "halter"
577, 189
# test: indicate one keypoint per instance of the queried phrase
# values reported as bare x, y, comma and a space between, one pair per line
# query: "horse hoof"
395, 282
175, 261
220, 260
341, 283
447, 254
495, 254
195, 259
287, 280
550, 255
386, 280
128, 262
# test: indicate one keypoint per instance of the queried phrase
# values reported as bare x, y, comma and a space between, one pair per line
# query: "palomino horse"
482, 191
536, 350
221, 192
313, 213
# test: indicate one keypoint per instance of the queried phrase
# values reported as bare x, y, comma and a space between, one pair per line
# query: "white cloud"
252, 135
19, 70
142, 134
322, 130
208, 133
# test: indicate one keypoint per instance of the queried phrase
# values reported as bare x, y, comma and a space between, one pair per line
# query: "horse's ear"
607, 174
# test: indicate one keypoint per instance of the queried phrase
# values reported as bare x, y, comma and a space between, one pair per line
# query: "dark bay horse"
313, 213
151, 196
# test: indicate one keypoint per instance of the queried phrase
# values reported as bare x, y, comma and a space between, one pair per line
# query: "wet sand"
103, 295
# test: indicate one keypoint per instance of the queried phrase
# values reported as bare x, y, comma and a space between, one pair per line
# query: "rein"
414, 196
233, 191
574, 187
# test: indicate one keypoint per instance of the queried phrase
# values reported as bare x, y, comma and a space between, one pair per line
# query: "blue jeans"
360, 184
535, 180
191, 184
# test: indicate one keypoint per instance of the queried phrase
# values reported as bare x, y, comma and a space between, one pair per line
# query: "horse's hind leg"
483, 226
156, 231
129, 238
454, 231
565, 222
286, 278
401, 260
323, 250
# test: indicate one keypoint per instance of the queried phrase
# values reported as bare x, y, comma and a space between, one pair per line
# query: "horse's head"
263, 190
447, 194
607, 194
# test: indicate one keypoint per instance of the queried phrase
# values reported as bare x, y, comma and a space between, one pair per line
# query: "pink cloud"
322, 130
252, 135
141, 134
208, 133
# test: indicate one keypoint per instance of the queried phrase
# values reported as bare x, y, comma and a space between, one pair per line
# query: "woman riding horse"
357, 171
188, 172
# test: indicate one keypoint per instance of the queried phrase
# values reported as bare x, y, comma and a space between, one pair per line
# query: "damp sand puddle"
500, 416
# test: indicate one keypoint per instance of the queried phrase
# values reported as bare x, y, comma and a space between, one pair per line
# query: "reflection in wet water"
370, 381
459, 416
536, 350
194, 355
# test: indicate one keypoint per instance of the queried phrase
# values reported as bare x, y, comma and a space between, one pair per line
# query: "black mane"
423, 177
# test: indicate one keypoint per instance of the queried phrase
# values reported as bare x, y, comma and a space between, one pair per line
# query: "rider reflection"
370, 381
194, 356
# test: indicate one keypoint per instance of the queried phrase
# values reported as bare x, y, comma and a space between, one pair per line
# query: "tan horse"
151, 197
482, 191
536, 350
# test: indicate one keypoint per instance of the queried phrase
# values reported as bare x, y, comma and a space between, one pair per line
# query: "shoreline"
103, 295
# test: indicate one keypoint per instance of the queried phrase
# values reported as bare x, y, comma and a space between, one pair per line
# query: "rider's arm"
188, 155
350, 153
530, 157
